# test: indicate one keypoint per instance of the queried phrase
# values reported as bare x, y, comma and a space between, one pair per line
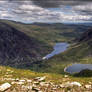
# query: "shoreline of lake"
57, 49
76, 68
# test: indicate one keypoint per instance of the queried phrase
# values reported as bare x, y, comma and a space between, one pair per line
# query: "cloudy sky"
29, 11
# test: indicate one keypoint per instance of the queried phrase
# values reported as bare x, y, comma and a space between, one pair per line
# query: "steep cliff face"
17, 48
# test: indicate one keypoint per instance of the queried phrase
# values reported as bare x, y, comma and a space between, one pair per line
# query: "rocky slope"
19, 80
17, 49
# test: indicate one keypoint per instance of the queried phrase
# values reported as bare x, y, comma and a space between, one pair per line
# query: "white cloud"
86, 7
28, 12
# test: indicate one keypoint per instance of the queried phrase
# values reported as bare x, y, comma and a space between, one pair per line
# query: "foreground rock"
5, 86
76, 84
68, 84
40, 78
40, 84
88, 86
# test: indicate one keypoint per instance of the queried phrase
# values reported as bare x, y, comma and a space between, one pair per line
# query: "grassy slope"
49, 33
77, 53
21, 74
12, 75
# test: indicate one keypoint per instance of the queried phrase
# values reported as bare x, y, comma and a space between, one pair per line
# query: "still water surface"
57, 49
75, 68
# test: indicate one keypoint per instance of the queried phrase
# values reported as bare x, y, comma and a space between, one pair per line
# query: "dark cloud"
51, 3
58, 3
47, 3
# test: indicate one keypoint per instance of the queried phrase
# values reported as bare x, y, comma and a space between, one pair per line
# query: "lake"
75, 68
57, 49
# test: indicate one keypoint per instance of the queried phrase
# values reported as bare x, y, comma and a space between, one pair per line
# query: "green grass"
21, 73
49, 34
77, 53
